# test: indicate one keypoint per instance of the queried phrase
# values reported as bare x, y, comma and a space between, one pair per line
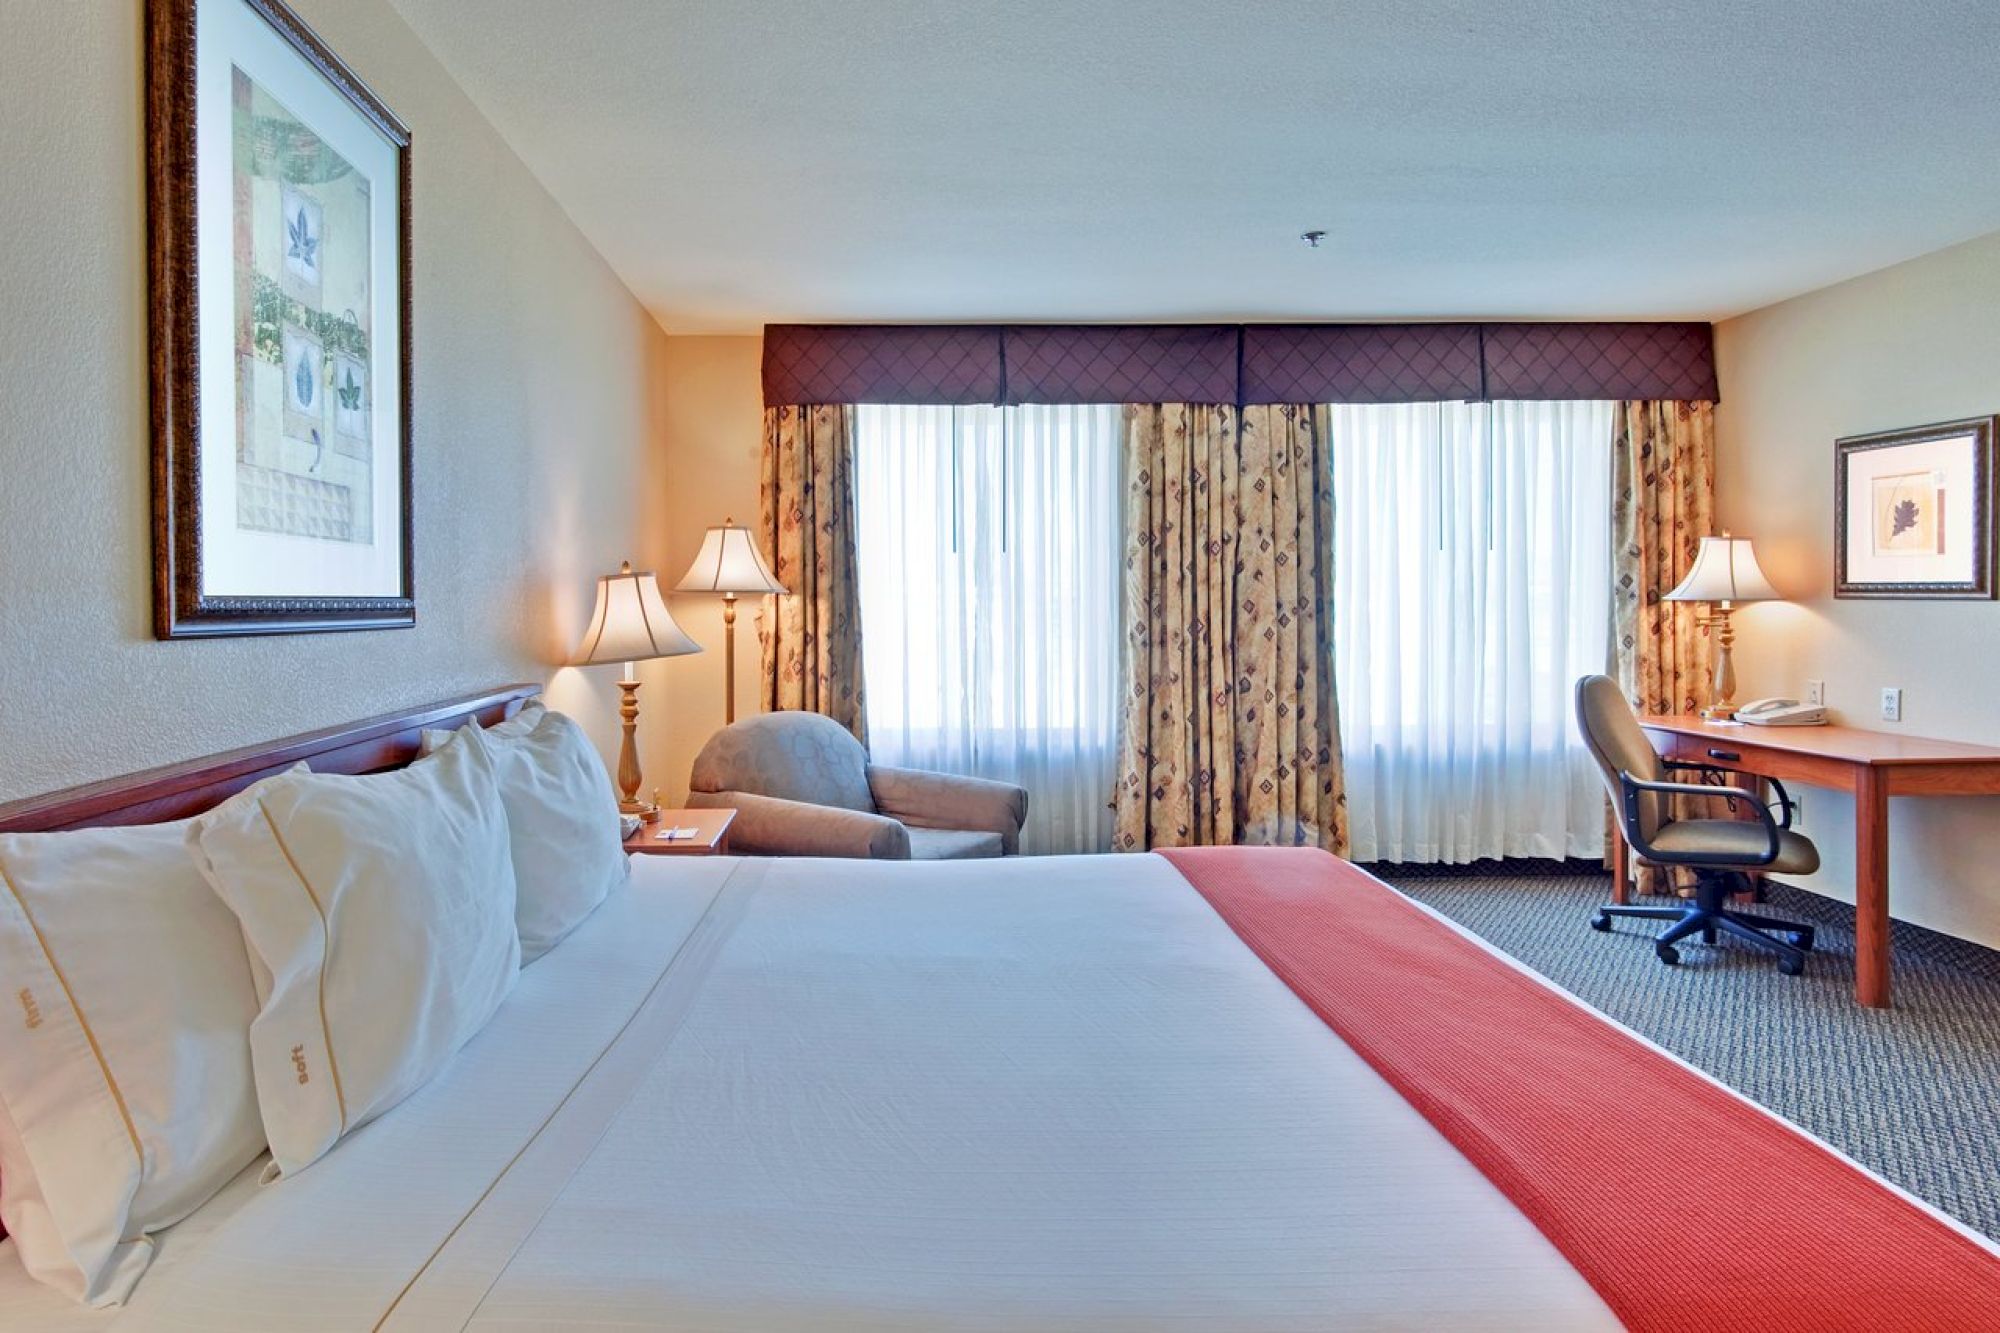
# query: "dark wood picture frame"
180, 609
1982, 584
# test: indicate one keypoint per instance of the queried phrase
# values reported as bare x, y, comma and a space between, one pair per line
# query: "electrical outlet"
1892, 703
1816, 693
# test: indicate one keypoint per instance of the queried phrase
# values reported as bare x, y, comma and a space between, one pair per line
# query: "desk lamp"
1725, 572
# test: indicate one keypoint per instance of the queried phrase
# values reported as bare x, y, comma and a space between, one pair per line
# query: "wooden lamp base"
629, 776
1722, 707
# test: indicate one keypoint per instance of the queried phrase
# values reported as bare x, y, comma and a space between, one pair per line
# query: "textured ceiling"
739, 161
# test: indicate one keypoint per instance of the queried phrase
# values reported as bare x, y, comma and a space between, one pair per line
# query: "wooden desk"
711, 833
1874, 765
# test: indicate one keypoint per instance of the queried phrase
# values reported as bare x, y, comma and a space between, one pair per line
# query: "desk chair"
1719, 851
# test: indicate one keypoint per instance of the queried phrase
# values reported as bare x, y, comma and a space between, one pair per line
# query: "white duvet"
1052, 1093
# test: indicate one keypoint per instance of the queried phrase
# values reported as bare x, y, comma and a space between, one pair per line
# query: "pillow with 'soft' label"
126, 1094
379, 912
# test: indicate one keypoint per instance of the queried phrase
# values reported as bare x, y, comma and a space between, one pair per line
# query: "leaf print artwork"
304, 244
305, 456
1907, 505
302, 383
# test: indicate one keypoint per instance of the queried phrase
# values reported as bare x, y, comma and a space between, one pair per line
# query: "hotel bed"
865, 1095
811, 1094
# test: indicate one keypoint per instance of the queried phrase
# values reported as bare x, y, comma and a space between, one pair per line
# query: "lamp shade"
1725, 570
631, 623
729, 562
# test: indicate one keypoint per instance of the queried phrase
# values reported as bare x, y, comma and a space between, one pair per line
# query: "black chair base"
1712, 919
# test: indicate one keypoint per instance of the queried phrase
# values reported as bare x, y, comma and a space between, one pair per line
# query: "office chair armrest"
1635, 787
1786, 804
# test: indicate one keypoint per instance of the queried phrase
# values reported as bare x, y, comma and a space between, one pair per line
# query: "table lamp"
630, 625
731, 564
1725, 572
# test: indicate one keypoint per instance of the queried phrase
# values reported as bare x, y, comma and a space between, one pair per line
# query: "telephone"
1778, 712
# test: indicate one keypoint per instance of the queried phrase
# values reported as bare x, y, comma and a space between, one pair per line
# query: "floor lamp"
729, 563
630, 625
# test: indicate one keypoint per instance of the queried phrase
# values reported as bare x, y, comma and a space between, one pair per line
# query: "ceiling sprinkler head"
1312, 238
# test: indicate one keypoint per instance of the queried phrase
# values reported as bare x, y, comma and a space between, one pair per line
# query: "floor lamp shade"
730, 563
631, 624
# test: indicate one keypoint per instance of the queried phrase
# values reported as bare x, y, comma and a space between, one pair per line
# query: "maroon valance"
1228, 363
881, 363
1120, 363
1675, 361
1360, 363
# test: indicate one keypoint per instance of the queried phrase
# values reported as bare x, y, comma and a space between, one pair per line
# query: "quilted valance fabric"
1360, 363
1121, 363
810, 364
817, 364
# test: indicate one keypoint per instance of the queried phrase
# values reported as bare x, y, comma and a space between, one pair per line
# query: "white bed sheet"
331, 1247
993, 1095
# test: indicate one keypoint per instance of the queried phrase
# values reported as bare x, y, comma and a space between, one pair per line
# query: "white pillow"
379, 912
526, 720
126, 1097
562, 821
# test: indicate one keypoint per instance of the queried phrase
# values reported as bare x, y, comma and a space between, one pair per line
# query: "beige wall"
1911, 344
538, 418
715, 406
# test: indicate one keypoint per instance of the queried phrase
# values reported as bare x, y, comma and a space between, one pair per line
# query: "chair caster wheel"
1668, 954
1600, 922
1800, 939
1791, 967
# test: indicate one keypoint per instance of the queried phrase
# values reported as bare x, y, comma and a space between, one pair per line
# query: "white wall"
715, 416
539, 424
1912, 344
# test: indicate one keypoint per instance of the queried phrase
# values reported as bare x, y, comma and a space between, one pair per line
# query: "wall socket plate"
1816, 692
1892, 703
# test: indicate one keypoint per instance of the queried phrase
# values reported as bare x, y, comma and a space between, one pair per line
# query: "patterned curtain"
1230, 731
811, 639
1663, 504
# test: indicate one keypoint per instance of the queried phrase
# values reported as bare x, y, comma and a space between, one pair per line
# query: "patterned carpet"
1913, 1091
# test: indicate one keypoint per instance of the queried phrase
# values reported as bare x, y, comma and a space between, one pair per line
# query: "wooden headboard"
179, 790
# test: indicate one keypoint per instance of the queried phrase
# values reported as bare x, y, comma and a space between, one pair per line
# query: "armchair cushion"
953, 844
794, 756
946, 801
772, 826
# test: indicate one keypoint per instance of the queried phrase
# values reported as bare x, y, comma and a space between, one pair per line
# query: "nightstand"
711, 834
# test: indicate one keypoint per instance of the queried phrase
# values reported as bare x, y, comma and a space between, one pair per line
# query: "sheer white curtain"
1472, 587
989, 570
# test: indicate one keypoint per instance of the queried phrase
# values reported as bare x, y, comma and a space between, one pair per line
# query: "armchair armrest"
771, 826
1634, 788
946, 800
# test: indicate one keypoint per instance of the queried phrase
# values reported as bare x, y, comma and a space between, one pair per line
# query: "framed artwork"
279, 205
1913, 512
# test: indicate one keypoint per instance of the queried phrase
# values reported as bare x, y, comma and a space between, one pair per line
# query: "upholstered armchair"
802, 786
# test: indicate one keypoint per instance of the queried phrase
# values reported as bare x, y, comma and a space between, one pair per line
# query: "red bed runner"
1698, 1212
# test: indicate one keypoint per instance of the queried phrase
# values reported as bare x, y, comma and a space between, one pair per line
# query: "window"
1472, 586
990, 575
